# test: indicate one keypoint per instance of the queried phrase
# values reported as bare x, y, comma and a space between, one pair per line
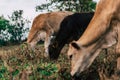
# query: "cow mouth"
54, 55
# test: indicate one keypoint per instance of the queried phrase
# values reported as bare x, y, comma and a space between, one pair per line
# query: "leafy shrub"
17, 26
13, 30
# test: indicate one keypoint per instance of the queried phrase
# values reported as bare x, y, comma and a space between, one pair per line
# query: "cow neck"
97, 27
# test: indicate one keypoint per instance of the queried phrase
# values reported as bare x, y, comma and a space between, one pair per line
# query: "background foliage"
68, 5
17, 28
13, 30
3, 34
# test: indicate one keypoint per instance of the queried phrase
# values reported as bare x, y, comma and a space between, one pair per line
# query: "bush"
17, 26
13, 31
3, 34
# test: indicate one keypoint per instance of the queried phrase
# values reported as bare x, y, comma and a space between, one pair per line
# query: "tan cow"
102, 32
45, 25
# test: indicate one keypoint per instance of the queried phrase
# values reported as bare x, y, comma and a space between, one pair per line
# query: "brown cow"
45, 24
102, 32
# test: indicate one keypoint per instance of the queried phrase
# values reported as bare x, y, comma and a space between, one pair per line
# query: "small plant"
47, 70
3, 72
15, 72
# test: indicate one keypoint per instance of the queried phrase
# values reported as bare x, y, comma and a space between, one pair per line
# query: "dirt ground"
21, 63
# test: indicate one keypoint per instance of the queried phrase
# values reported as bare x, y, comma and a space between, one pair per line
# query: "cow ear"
75, 45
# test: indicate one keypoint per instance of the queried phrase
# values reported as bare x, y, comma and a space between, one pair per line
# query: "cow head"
55, 49
81, 57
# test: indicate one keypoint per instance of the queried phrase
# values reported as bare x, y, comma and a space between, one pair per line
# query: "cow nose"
76, 76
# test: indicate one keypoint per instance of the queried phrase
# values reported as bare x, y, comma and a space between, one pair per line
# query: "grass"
20, 63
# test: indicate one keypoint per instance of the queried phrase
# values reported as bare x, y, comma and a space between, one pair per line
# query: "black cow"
71, 28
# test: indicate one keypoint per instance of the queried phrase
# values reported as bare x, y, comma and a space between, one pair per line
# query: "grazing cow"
71, 28
102, 32
45, 24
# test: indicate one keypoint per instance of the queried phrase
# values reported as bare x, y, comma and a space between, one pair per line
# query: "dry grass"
21, 63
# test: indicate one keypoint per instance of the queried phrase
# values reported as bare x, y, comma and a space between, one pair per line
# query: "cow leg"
118, 50
118, 66
118, 59
118, 63
47, 43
